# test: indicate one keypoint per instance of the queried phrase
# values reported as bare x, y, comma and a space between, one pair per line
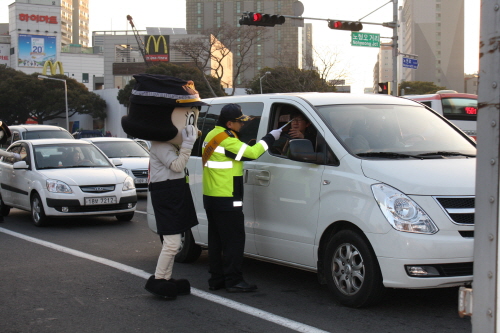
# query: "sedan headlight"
125, 170
402, 212
57, 186
128, 184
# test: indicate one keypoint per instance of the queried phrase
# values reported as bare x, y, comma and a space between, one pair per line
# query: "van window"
365, 129
57, 134
248, 132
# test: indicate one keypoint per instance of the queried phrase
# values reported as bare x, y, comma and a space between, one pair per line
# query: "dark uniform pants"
226, 244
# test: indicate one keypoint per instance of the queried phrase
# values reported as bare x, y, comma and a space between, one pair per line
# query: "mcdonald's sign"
53, 67
155, 49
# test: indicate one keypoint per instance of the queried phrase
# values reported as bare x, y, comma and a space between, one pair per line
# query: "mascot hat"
152, 102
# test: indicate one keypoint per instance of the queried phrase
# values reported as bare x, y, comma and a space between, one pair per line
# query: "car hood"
425, 177
134, 162
86, 176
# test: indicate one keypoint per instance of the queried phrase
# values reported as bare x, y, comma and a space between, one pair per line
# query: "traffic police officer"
223, 156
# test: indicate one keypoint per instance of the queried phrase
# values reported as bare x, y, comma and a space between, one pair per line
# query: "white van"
460, 109
383, 196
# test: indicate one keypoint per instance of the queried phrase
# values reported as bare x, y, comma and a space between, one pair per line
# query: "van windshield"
397, 129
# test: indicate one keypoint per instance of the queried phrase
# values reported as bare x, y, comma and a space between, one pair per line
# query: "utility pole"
395, 52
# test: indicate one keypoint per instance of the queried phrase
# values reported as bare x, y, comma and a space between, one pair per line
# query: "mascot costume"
5, 134
165, 110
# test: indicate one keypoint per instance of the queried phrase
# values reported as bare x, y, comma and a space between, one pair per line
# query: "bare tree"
327, 63
226, 46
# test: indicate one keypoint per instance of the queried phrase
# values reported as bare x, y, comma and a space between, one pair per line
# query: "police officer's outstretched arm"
189, 135
240, 151
9, 154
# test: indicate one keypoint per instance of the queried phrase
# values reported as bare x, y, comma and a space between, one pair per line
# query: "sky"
359, 61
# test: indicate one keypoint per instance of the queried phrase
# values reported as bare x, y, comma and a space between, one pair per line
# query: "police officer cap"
232, 112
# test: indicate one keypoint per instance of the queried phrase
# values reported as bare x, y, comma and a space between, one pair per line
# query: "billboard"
157, 47
5, 54
35, 50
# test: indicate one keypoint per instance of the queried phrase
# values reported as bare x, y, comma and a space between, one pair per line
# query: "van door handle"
263, 178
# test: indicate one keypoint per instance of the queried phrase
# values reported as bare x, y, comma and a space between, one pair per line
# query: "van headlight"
128, 184
57, 186
402, 212
124, 170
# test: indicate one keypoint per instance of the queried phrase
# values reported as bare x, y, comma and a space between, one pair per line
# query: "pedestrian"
165, 110
222, 158
5, 134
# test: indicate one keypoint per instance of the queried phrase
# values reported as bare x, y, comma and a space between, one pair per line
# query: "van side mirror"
302, 150
20, 165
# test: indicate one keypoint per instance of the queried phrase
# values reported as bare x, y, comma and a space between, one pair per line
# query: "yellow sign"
153, 52
53, 67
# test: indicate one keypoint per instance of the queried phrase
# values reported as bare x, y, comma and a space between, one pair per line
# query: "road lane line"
282, 321
140, 211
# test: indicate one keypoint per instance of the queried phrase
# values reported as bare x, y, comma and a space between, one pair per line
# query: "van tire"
189, 250
352, 271
4, 209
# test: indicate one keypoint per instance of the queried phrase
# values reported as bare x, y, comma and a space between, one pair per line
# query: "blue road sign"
410, 63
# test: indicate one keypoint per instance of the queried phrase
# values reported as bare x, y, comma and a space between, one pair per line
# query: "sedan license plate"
141, 180
100, 201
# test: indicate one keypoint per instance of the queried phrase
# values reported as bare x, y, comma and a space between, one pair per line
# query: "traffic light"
385, 87
261, 20
345, 25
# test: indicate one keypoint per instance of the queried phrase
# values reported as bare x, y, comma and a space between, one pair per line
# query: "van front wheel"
352, 271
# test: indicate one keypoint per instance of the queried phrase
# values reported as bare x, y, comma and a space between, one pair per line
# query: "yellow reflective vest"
223, 172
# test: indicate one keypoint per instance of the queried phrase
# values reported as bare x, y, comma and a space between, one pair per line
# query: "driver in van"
299, 128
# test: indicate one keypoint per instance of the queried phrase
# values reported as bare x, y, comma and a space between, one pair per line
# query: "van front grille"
460, 210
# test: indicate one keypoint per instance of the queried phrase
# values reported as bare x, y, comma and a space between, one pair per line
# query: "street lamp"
43, 77
267, 73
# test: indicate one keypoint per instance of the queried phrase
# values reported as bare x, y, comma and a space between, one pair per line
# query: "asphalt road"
88, 275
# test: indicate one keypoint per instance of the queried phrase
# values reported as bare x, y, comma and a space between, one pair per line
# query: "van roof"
314, 98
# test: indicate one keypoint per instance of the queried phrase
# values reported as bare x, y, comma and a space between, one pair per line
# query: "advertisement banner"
157, 48
35, 50
5, 54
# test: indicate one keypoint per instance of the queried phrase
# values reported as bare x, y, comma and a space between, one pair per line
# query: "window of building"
85, 77
259, 6
238, 7
259, 49
198, 7
218, 6
199, 23
278, 6
218, 20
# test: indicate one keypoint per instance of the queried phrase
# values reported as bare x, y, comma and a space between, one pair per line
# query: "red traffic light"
345, 25
257, 17
262, 20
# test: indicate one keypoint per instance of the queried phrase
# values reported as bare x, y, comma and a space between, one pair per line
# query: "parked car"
87, 134
33, 132
134, 158
64, 178
382, 196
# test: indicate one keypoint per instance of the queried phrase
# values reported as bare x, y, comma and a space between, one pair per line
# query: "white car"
135, 159
64, 178
34, 132
379, 194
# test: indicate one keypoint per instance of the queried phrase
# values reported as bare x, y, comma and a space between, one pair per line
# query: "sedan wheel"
37, 213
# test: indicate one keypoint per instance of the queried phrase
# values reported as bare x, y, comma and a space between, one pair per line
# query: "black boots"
161, 287
168, 288
183, 286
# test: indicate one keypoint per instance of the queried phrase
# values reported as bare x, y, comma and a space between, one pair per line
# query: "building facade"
284, 47
434, 31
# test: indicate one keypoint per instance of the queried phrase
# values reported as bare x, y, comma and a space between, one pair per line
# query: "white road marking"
139, 211
282, 321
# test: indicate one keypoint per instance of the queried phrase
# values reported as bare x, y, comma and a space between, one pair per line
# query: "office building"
284, 47
433, 30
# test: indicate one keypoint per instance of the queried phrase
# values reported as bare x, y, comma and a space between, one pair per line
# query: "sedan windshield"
69, 156
121, 149
395, 131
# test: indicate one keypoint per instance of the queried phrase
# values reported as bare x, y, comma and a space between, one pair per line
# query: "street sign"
365, 39
410, 63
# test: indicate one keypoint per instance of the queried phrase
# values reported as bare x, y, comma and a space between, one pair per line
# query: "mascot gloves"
189, 135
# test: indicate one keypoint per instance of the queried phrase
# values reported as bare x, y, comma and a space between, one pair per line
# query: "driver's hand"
296, 134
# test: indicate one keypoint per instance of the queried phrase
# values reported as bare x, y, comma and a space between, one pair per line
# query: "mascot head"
160, 107
5, 133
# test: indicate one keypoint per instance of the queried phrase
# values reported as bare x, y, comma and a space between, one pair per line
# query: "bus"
459, 108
